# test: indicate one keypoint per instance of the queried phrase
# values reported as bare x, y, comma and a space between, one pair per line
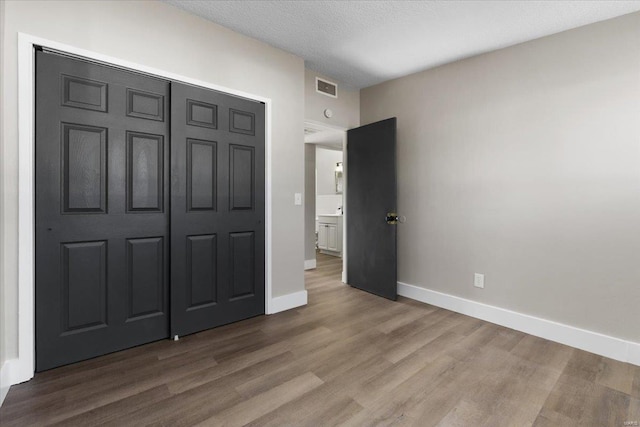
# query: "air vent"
326, 87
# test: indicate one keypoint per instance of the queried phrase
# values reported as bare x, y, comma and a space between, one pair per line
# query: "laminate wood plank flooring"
347, 358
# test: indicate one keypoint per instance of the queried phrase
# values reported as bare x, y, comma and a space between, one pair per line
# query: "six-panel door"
102, 210
217, 209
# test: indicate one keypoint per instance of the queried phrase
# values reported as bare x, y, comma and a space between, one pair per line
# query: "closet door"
102, 210
217, 209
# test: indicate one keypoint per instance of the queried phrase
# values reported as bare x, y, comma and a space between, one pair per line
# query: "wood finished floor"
347, 358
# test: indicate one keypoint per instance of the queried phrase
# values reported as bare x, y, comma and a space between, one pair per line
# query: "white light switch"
297, 199
478, 280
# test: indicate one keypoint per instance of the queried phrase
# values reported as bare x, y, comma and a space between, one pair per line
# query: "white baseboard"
8, 377
309, 264
594, 342
287, 302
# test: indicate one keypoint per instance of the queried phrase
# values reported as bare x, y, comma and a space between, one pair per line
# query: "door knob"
392, 218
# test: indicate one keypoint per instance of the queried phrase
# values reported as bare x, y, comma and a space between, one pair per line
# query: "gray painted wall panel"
524, 164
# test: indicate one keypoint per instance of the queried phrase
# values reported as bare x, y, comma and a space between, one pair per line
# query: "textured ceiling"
361, 43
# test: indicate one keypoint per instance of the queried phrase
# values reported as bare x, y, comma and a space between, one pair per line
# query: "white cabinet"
322, 236
332, 237
330, 234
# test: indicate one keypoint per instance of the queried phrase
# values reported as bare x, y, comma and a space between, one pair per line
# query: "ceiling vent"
326, 87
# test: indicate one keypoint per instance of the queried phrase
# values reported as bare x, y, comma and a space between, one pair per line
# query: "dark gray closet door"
217, 209
102, 207
371, 195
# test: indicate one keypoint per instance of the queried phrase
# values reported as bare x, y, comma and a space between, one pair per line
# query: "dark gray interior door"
371, 195
217, 208
102, 207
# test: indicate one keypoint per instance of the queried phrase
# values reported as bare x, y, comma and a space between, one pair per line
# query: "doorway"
369, 249
325, 194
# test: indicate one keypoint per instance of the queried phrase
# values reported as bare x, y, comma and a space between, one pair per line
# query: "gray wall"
524, 164
346, 107
158, 35
309, 201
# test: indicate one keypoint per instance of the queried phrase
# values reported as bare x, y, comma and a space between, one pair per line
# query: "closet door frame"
23, 367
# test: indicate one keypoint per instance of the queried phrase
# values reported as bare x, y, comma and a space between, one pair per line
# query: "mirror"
338, 182
338, 177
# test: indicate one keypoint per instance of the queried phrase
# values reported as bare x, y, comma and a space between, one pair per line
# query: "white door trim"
26, 169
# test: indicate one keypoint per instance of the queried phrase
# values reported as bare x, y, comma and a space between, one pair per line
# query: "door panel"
371, 190
201, 175
322, 236
241, 174
84, 168
145, 171
217, 209
145, 105
101, 210
242, 251
84, 93
84, 286
145, 278
332, 237
202, 277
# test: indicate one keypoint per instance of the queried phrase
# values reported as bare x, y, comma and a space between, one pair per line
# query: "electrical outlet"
478, 280
297, 199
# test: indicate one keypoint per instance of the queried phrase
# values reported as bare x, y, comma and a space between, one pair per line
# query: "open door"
371, 208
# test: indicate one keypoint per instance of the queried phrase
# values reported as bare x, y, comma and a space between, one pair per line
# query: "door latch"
392, 218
